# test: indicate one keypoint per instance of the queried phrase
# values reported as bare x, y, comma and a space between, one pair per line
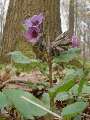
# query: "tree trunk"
21, 9
71, 17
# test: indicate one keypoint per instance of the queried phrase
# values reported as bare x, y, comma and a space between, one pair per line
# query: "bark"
71, 17
9, 33
21, 9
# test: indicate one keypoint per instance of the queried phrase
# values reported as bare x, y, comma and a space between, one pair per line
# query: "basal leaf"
46, 99
3, 100
74, 109
27, 109
86, 89
18, 57
73, 74
63, 96
61, 88
67, 55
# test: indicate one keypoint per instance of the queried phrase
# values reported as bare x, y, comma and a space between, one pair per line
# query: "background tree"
2, 17
21, 9
71, 17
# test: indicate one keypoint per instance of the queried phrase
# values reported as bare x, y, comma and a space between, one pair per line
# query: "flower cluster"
32, 28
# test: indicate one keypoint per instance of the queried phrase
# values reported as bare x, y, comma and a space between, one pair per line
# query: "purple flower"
28, 23
36, 20
32, 28
32, 34
74, 41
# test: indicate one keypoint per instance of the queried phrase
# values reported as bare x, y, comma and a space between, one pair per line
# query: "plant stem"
84, 57
50, 71
49, 62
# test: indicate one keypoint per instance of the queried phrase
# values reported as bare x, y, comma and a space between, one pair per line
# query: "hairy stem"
49, 61
50, 71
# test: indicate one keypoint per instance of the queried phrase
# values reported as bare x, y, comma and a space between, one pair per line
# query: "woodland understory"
45, 60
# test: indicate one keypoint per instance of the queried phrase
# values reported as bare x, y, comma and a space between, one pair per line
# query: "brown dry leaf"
21, 80
34, 77
19, 86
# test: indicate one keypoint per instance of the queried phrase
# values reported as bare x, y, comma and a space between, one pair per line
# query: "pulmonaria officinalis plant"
33, 33
56, 93
32, 28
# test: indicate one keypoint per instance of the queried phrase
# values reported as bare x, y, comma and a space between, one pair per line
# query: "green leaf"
73, 74
74, 90
27, 109
34, 64
81, 75
81, 84
61, 88
86, 89
18, 57
46, 99
67, 55
74, 109
82, 81
63, 96
3, 101
78, 117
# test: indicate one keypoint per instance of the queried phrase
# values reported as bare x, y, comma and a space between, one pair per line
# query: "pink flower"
32, 34
74, 41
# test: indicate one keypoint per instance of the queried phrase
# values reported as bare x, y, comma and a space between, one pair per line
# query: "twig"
86, 115
10, 81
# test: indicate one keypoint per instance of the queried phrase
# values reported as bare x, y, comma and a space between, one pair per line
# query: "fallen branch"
86, 115
11, 81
